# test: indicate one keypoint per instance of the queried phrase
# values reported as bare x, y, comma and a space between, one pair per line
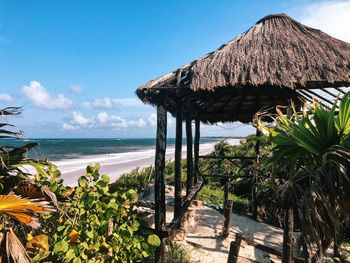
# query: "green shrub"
98, 226
136, 179
213, 194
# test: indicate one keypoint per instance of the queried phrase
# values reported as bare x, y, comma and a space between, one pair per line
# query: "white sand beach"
117, 164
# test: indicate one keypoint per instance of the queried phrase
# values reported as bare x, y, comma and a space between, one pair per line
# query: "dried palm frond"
15, 251
21, 209
35, 191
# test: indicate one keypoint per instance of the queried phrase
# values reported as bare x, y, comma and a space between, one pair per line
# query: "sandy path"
210, 247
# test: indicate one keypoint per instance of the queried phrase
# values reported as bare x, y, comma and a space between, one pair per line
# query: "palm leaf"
14, 249
19, 208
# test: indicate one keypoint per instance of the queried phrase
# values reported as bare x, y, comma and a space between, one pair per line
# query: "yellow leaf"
69, 191
29, 236
18, 208
123, 212
73, 236
39, 242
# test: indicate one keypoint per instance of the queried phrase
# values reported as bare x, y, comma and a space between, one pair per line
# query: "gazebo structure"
275, 61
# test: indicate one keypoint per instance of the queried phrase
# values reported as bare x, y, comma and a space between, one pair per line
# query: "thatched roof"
265, 65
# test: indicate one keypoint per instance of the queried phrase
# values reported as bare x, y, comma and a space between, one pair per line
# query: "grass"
213, 194
137, 179
177, 254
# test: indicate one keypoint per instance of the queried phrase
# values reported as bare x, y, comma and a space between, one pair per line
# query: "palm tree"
312, 154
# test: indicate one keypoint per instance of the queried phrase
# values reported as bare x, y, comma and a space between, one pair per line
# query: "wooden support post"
196, 149
234, 249
159, 186
336, 252
189, 180
254, 179
178, 168
228, 217
287, 253
305, 249
226, 192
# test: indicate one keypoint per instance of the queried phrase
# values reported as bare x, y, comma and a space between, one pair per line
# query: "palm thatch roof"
263, 67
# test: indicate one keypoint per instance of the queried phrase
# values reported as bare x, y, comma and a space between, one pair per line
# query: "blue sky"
74, 65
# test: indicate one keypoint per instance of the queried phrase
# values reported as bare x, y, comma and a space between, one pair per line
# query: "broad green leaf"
70, 255
83, 181
153, 240
105, 178
61, 246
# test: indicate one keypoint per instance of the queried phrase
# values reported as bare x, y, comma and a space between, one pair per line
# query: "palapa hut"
276, 60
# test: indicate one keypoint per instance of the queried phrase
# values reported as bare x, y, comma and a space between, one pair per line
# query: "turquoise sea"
58, 149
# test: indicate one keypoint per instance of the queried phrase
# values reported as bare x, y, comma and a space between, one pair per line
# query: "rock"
197, 203
178, 235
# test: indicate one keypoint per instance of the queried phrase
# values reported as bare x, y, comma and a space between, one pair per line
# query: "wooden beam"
303, 98
310, 98
178, 168
228, 157
189, 179
330, 93
196, 149
319, 96
340, 90
159, 186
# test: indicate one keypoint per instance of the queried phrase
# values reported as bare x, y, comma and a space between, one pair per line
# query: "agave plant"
312, 155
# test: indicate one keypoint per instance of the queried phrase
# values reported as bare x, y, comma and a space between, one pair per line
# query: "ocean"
59, 149
115, 155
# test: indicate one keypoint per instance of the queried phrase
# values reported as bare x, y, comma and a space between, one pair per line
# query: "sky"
74, 66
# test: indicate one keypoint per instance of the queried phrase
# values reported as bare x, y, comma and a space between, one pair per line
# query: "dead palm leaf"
14, 249
35, 191
20, 209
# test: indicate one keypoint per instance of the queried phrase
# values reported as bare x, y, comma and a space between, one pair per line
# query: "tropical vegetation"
43, 220
311, 159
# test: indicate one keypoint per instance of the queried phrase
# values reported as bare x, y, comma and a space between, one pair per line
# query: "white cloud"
102, 117
153, 119
76, 88
41, 98
102, 120
140, 123
4, 97
79, 119
69, 127
108, 103
332, 17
